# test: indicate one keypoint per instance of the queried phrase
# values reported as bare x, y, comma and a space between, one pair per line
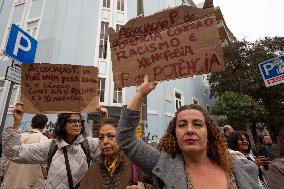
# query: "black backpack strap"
52, 150
86, 149
68, 170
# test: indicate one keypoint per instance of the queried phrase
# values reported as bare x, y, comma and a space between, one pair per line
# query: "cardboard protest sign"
174, 43
273, 71
55, 88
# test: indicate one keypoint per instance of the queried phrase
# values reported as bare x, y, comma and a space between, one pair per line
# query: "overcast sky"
253, 19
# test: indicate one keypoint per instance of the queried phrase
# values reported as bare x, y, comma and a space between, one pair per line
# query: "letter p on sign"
21, 46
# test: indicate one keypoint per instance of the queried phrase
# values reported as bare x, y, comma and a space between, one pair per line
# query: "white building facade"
75, 32
68, 32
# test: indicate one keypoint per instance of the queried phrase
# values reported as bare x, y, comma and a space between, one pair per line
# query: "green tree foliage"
242, 75
239, 109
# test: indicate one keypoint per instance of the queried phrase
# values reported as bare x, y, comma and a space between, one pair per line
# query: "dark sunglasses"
75, 121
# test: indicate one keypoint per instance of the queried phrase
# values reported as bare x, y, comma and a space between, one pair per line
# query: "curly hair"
217, 147
39, 121
233, 140
59, 129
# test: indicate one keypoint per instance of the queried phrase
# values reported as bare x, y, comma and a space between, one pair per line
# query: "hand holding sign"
146, 87
141, 91
18, 113
102, 112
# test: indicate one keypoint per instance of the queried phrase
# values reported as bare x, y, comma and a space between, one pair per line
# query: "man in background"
23, 176
275, 175
227, 129
267, 148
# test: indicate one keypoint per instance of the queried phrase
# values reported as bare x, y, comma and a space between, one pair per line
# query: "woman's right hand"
261, 160
18, 113
141, 92
139, 186
146, 87
102, 112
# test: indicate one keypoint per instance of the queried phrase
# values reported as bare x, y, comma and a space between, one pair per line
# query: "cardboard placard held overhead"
171, 44
55, 88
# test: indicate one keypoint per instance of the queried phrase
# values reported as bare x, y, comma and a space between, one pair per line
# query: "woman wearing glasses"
67, 155
240, 148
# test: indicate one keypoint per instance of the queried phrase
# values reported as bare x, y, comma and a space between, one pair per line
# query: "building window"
120, 5
1, 92
171, 3
178, 99
19, 2
16, 93
2, 82
117, 95
208, 109
32, 27
118, 27
106, 3
103, 40
205, 80
102, 85
15, 97
195, 101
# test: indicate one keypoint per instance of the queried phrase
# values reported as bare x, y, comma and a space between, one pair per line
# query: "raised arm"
22, 153
94, 142
141, 92
143, 155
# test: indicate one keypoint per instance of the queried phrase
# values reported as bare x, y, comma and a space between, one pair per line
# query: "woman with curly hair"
65, 155
240, 148
192, 154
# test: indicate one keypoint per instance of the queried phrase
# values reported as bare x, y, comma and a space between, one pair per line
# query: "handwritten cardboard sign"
175, 43
55, 88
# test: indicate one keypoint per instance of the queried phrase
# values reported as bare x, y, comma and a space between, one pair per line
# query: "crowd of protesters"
193, 153
268, 159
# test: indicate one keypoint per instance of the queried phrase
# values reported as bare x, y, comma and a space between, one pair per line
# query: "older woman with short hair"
112, 169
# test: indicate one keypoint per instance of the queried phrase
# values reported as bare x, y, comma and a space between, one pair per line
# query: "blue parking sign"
273, 71
20, 45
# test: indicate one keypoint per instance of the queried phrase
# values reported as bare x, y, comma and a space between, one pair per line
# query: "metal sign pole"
140, 7
28, 55
5, 102
1, 5
143, 120
7, 93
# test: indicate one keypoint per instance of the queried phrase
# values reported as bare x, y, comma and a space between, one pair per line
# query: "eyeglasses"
76, 121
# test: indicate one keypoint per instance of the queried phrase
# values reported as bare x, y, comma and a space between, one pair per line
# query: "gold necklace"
188, 178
